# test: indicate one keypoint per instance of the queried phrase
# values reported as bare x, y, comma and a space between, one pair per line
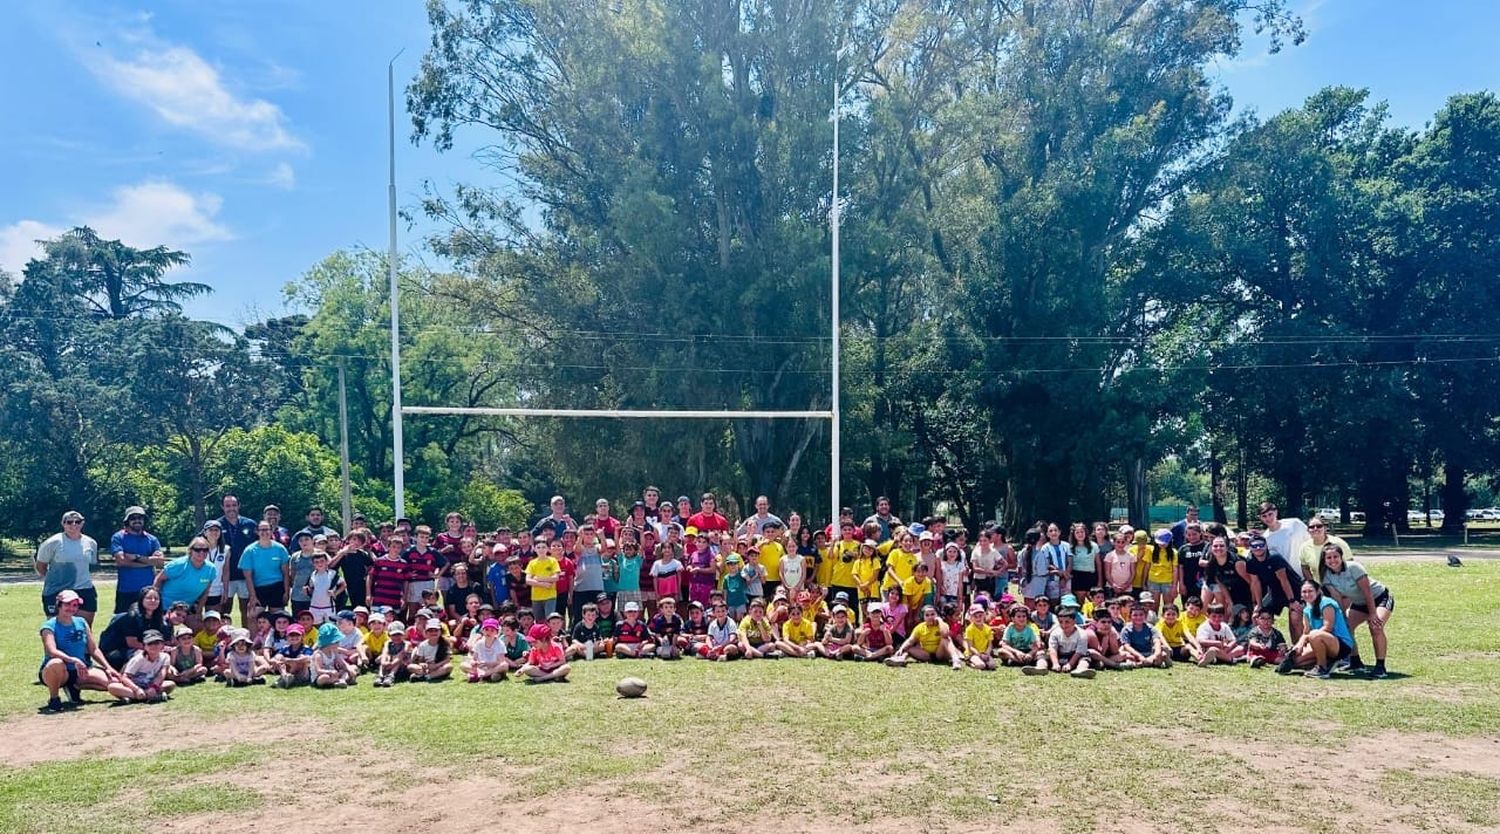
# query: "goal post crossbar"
612, 413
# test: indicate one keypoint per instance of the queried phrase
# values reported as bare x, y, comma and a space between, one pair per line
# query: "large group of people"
398, 602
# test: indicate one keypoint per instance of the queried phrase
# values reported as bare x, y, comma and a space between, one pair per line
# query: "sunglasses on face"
73, 521
1315, 527
198, 549
1257, 547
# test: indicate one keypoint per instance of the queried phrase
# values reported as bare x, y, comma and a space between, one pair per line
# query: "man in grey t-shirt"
64, 561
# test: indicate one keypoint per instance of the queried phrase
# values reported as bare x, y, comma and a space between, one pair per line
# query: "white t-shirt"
983, 559
142, 670
791, 570
1287, 540
950, 576
487, 652
322, 589
217, 557
1224, 634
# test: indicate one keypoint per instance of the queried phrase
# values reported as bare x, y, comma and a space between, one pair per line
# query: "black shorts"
1385, 601
72, 674
271, 596
213, 602
1344, 651
89, 595
1273, 605
1084, 581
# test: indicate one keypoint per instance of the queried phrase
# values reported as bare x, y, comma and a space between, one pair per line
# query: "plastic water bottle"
588, 650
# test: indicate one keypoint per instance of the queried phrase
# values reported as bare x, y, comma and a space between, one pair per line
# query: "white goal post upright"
398, 410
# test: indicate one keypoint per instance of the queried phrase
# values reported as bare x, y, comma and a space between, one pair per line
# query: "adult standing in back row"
137, 555
64, 562
707, 519
238, 533
1285, 537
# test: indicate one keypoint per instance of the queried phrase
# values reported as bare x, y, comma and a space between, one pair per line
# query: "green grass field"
797, 745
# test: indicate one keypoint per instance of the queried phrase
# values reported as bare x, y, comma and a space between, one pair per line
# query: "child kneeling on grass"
144, 678
392, 663
486, 660
430, 659
547, 660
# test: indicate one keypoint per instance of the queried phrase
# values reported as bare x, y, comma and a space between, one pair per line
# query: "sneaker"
1343, 666
1322, 672
1033, 670
341, 685
257, 681
1166, 663
1082, 673
473, 677
1128, 665
774, 654
1379, 672
1257, 662
896, 662
1285, 666
74, 694
52, 707
283, 682
1354, 664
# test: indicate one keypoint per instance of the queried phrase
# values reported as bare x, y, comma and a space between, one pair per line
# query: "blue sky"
252, 134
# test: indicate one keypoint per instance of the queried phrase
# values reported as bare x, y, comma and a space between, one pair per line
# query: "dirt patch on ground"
116, 731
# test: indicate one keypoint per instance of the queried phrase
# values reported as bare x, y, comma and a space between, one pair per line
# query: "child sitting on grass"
243, 667
430, 658
586, 641
187, 659
486, 660
392, 664
546, 661
978, 637
293, 659
329, 669
1216, 641
1020, 645
838, 638
1264, 643
1141, 643
1067, 649
874, 640
1104, 642
144, 678
1181, 644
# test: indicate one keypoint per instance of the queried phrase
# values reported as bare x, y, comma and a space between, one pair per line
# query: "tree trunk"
1136, 506
1216, 483
1454, 497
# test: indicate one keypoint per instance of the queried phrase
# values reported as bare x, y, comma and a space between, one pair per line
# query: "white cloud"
282, 176
18, 243
187, 92
151, 213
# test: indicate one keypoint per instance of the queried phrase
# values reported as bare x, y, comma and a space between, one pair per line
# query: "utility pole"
348, 498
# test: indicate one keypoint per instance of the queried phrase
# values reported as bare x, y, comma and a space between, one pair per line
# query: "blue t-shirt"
72, 639
1141, 640
132, 578
185, 583
497, 580
265, 562
734, 590
1340, 625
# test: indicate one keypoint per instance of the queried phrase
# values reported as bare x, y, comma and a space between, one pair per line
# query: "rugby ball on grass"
631, 687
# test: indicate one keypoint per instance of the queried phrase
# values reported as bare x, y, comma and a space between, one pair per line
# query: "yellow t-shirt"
770, 556
842, 573
867, 572
205, 640
901, 564
1172, 632
540, 568
1161, 571
375, 643
915, 590
977, 638
822, 572
1191, 623
756, 633
798, 630
1142, 556
928, 636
